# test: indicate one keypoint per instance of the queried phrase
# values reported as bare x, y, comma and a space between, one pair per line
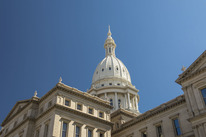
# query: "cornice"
162, 108
85, 95
191, 76
113, 78
183, 77
124, 112
83, 114
197, 117
8, 118
116, 87
61, 107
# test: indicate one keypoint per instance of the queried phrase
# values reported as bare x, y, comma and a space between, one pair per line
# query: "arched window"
111, 102
119, 102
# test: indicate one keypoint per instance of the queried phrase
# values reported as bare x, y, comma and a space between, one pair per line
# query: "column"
193, 101
125, 100
116, 101
133, 102
137, 108
201, 131
195, 131
129, 105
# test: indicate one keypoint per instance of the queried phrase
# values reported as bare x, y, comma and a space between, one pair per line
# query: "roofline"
182, 77
22, 101
150, 113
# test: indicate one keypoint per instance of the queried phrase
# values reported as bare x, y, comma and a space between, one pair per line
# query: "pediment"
198, 65
16, 109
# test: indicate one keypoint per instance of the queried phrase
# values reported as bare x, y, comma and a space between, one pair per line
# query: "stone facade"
67, 112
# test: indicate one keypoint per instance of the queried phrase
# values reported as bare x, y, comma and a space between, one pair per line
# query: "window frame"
46, 131
46, 124
102, 114
99, 131
158, 124
91, 109
75, 127
49, 104
143, 131
203, 99
68, 101
80, 105
173, 124
111, 102
92, 131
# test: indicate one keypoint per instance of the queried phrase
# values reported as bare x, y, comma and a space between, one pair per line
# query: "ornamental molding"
77, 92
83, 114
193, 119
115, 87
123, 112
113, 78
186, 74
60, 107
8, 118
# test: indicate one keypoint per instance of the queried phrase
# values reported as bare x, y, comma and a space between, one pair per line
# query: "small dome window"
97, 72
102, 69
118, 84
110, 84
102, 85
110, 68
109, 50
117, 68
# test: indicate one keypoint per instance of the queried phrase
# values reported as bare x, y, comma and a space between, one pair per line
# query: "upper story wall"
162, 116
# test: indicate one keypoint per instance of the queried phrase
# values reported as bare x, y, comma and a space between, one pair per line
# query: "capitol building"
110, 107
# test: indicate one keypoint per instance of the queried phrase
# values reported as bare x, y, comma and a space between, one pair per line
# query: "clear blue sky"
41, 40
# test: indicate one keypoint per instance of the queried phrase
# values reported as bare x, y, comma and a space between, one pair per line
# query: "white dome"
110, 71
109, 68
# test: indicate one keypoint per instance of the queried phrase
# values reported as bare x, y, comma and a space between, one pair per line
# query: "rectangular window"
204, 94
159, 131
64, 129
89, 133
50, 104
67, 103
90, 110
144, 134
78, 131
41, 110
46, 129
177, 126
101, 114
101, 134
79, 106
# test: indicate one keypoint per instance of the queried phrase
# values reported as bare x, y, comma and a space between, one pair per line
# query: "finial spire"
60, 80
183, 68
109, 34
35, 93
